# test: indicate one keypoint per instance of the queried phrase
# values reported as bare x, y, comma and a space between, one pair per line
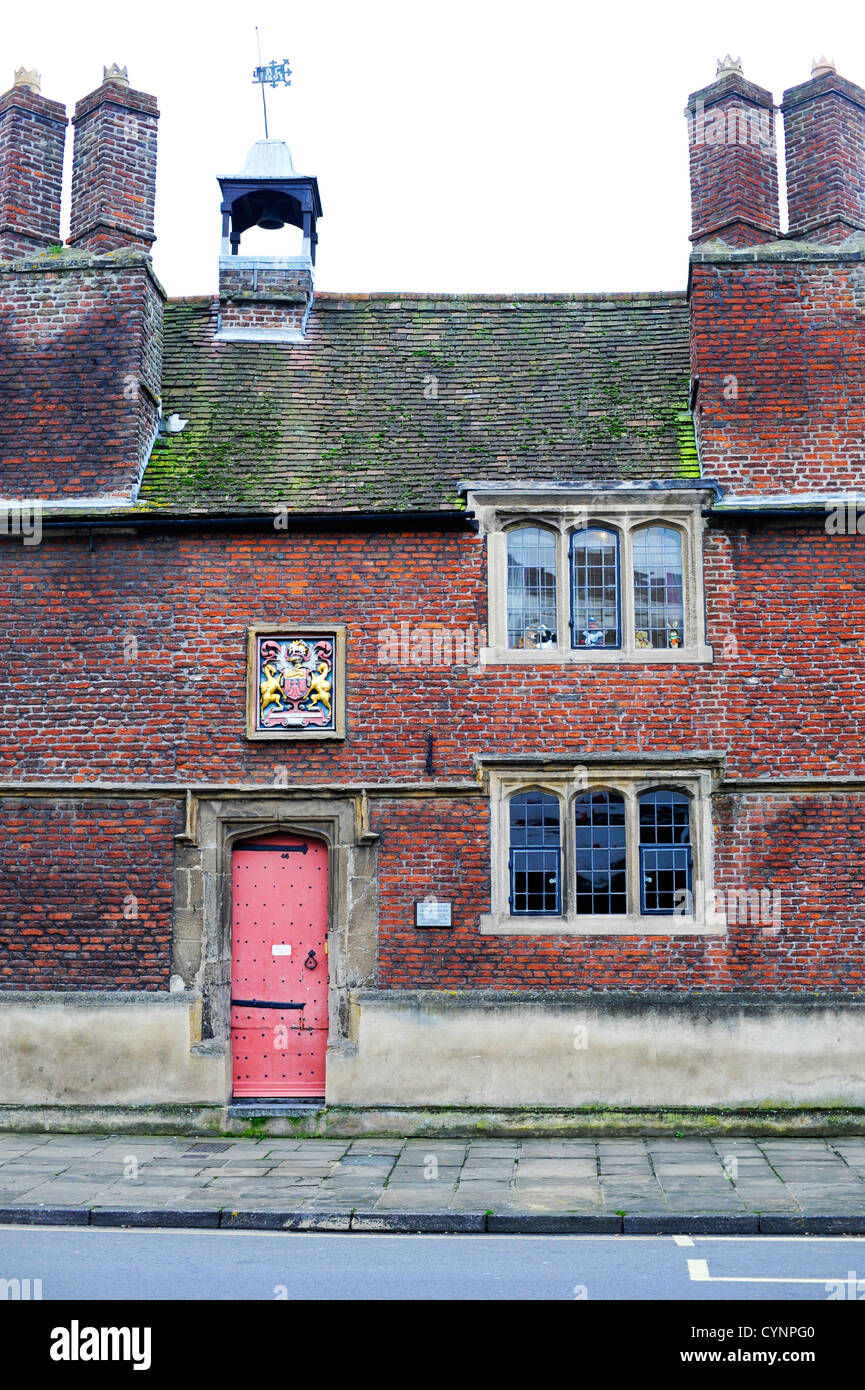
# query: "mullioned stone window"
607, 847
593, 574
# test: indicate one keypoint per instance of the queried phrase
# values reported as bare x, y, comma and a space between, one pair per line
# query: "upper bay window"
618, 577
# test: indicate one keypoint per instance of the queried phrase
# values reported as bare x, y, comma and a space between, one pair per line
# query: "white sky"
459, 145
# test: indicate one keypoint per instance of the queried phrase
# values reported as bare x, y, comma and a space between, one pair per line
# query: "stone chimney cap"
822, 65
269, 159
117, 74
29, 78
728, 64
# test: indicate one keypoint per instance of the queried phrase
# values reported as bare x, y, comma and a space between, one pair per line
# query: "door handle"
310, 963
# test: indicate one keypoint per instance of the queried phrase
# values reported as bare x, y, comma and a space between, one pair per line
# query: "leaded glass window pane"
535, 854
532, 618
600, 852
665, 852
659, 615
595, 588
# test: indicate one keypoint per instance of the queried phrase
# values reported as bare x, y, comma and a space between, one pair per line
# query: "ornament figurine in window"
593, 634
675, 637
641, 638
539, 635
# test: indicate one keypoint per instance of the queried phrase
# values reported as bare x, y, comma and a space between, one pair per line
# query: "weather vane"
273, 74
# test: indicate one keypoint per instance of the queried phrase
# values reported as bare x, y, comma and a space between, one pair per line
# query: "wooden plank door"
279, 966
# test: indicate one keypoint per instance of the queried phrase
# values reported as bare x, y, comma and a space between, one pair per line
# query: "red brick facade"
148, 637
123, 646
798, 847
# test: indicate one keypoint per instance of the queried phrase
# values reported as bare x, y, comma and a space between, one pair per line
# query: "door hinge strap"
263, 1004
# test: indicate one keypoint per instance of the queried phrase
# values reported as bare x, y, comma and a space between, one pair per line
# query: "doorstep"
268, 1108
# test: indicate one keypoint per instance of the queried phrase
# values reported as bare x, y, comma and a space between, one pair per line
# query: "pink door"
279, 966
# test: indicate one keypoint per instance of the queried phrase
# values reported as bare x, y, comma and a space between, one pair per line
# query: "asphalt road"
84, 1263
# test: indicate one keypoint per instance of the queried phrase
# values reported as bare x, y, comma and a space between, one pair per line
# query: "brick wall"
265, 315
128, 660
811, 936
267, 298
86, 893
778, 347
127, 664
77, 422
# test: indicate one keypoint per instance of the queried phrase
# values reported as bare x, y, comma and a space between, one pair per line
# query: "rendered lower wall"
99, 1049
481, 1049
474, 1049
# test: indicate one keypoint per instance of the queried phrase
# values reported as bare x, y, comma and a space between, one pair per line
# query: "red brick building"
531, 627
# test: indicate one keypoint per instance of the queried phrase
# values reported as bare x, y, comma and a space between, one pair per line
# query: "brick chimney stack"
32, 136
114, 167
824, 138
734, 163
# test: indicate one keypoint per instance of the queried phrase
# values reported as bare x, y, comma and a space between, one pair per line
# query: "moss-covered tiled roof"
391, 400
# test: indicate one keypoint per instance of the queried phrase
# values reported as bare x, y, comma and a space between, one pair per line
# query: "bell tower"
267, 298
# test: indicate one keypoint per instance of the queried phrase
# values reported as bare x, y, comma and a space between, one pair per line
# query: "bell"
270, 222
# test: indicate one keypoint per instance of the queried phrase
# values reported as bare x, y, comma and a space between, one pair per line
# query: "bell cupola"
267, 298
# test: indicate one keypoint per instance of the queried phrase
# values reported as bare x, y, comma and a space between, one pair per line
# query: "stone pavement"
629, 1185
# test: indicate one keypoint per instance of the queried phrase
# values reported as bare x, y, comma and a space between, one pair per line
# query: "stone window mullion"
569, 859
632, 849
564, 585
627, 585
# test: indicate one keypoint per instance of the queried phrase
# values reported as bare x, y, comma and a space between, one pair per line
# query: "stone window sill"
616, 925
520, 656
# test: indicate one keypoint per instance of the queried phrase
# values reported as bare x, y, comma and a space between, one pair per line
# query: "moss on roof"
391, 400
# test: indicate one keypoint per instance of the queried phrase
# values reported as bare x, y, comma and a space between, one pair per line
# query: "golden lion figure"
271, 688
319, 687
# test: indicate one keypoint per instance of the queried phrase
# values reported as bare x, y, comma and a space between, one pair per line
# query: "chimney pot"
728, 64
822, 65
115, 73
28, 78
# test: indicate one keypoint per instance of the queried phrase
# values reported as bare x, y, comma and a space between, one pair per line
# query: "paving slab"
413, 1199
555, 1168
